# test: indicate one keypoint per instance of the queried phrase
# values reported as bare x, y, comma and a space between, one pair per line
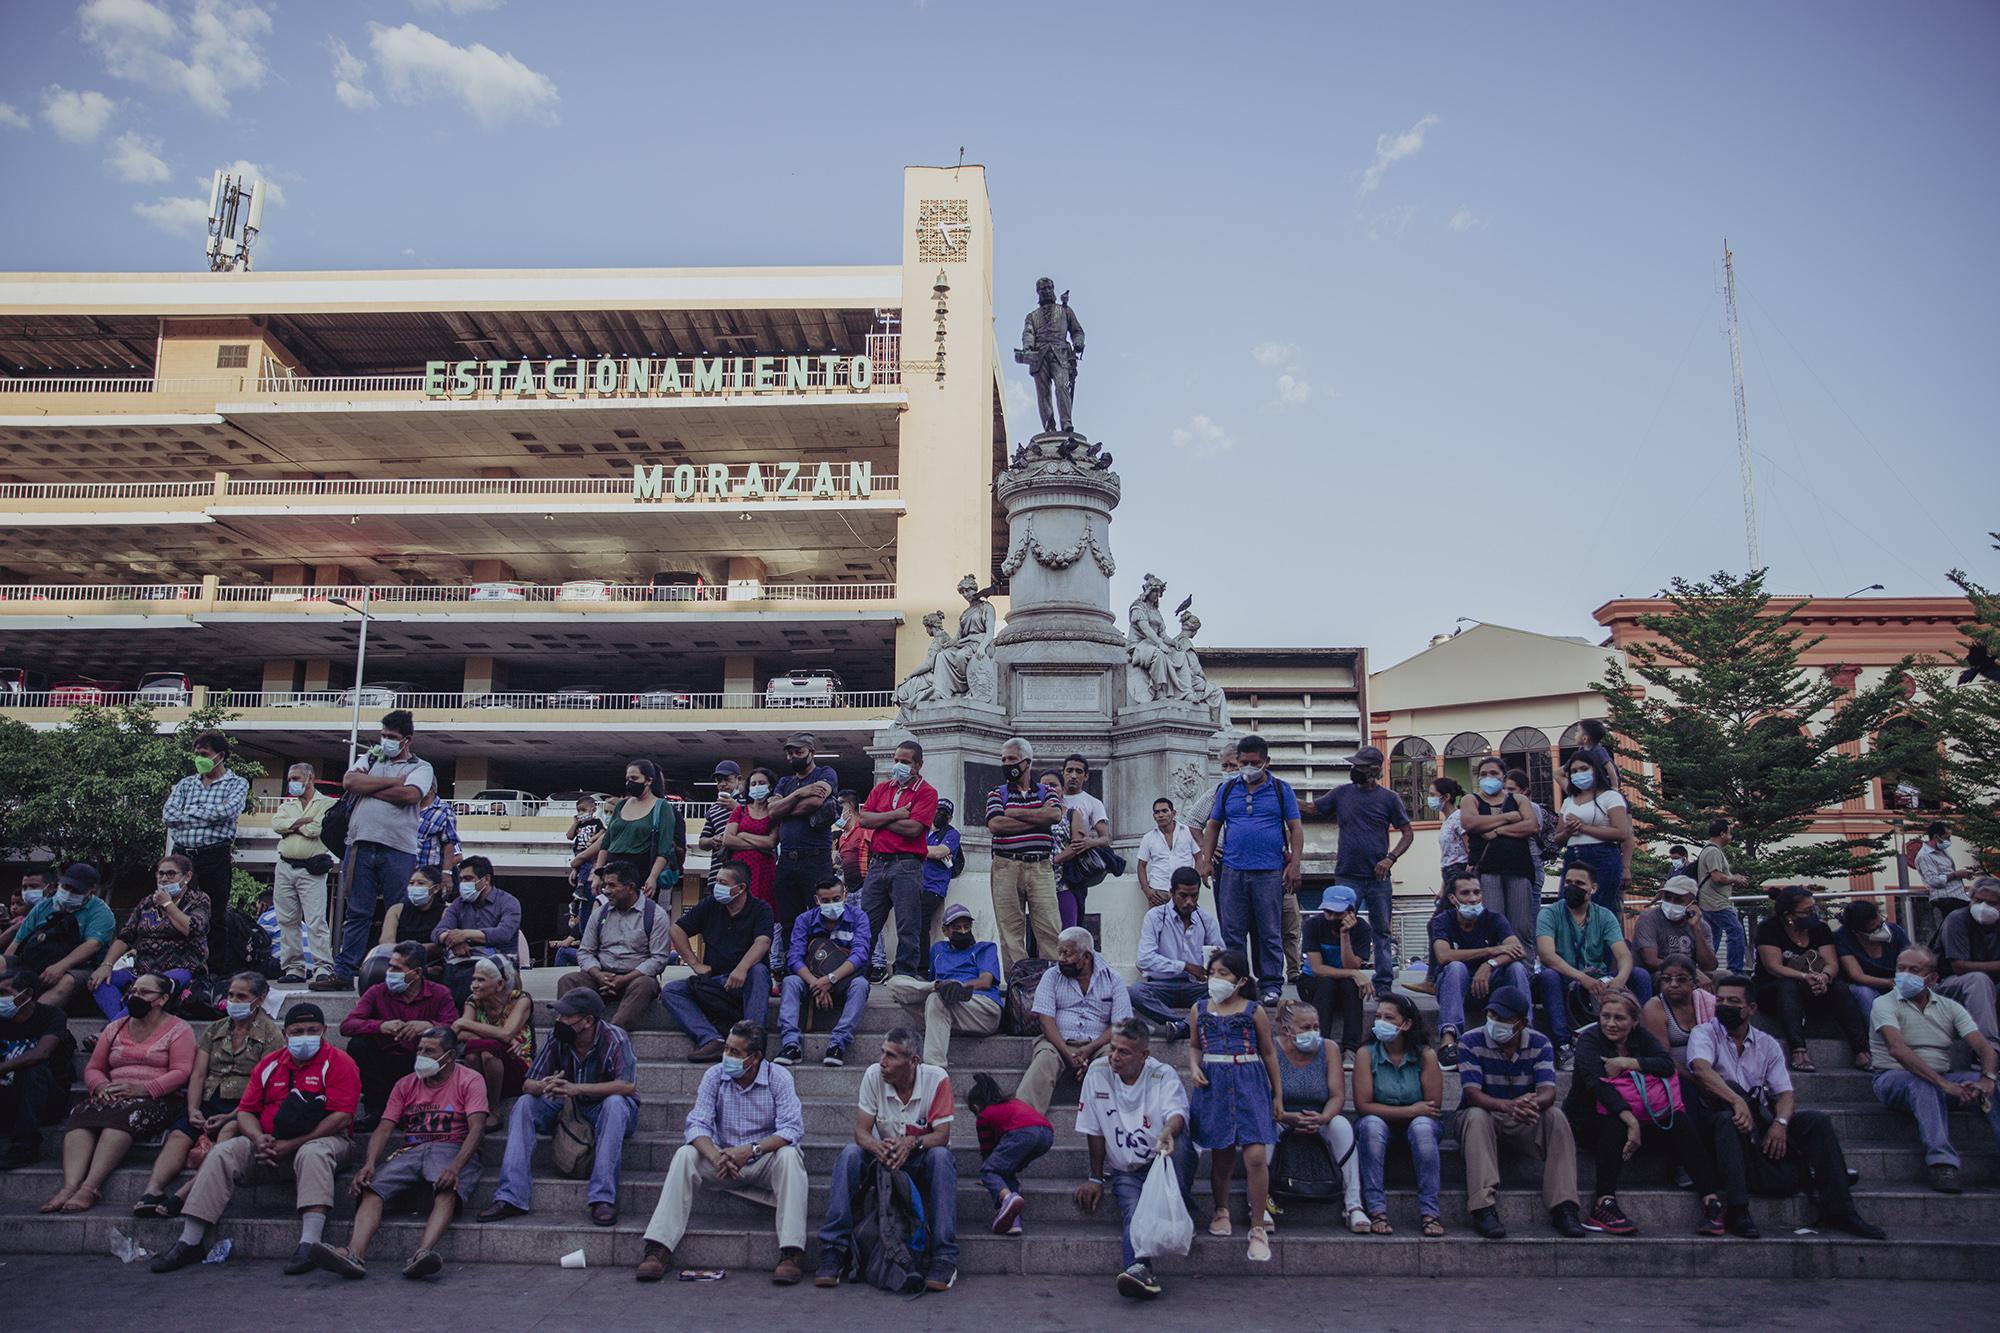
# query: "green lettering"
764, 373
684, 480
647, 482
753, 481
465, 379
638, 374
524, 380
861, 479
860, 373
823, 482
718, 480
708, 375
434, 379
798, 373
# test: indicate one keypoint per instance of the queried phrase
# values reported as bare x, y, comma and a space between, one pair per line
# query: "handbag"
573, 1141
1650, 1100
1303, 1168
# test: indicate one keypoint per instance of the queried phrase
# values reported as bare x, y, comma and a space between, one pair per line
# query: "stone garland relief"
1029, 544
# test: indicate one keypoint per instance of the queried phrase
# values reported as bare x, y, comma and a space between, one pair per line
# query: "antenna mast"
1742, 412
235, 215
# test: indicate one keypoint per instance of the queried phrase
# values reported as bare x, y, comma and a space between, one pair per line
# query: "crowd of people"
1655, 1030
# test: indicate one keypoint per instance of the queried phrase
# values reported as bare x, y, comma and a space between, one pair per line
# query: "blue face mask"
1500, 1034
303, 1048
1471, 911
68, 901
1583, 781
397, 982
1307, 1041
833, 911
9, 1006
760, 791
1909, 985
1385, 1031
1435, 802
468, 889
1491, 786
31, 896
418, 894
389, 748
899, 772
732, 1066
239, 1009
296, 788
172, 890
722, 892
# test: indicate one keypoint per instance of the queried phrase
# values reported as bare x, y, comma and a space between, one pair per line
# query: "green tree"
1961, 709
1734, 725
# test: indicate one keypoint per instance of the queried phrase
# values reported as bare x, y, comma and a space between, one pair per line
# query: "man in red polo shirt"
899, 812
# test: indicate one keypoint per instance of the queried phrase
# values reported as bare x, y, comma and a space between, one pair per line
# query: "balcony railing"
550, 701
778, 488
578, 594
122, 384
693, 812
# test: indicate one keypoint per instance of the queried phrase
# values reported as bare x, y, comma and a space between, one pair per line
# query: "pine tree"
1733, 725
1962, 709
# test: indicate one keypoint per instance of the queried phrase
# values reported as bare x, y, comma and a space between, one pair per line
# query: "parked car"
309, 699
81, 690
806, 687
573, 696
500, 801
16, 682
381, 694
663, 696
584, 590
499, 592
498, 700
675, 586
167, 689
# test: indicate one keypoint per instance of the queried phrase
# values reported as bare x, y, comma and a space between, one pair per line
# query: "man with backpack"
62, 934
902, 1126
1260, 862
387, 784
624, 948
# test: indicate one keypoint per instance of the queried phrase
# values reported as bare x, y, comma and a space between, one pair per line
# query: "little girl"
1011, 1135
1235, 1069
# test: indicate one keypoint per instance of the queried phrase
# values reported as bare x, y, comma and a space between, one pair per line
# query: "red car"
82, 690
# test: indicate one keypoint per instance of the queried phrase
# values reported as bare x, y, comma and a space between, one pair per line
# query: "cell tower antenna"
1742, 411
235, 216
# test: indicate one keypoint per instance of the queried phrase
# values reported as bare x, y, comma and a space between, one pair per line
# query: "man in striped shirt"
1507, 1081
1021, 816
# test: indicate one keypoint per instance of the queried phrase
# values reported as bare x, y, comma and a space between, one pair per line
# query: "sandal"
1219, 1224
1357, 1221
1378, 1225
1433, 1226
150, 1205
1801, 1063
1260, 1246
57, 1200
77, 1203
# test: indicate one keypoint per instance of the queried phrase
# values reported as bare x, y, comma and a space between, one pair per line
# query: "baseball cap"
957, 912
802, 739
728, 768
1509, 1002
304, 1013
581, 1000
946, 807
81, 877
1680, 884
1337, 898
1367, 757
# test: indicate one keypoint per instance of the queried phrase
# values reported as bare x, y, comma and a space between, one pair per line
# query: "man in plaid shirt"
200, 815
437, 834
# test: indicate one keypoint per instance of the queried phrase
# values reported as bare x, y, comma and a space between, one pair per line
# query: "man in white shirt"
1076, 1002
1132, 1109
1175, 941
1088, 822
1941, 875
1167, 846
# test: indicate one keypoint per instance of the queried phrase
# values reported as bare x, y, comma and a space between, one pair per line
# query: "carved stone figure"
920, 686
1051, 344
1149, 653
1188, 680
957, 666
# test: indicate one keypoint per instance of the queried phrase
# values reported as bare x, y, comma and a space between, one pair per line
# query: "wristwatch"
1784, 1120
1100, 1180
756, 1151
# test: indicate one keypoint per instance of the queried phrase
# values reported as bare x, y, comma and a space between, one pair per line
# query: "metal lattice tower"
1742, 411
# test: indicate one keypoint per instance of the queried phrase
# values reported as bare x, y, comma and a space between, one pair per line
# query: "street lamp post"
360, 662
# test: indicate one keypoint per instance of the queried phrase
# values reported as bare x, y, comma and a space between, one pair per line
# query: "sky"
1397, 314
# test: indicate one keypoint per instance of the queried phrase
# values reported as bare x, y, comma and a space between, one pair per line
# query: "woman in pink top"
137, 1077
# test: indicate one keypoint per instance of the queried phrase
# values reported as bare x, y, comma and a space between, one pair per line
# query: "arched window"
1461, 752
1528, 748
1412, 765
1918, 776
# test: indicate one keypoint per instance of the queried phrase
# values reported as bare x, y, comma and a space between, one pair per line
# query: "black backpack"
333, 824
891, 1234
54, 940
1022, 978
246, 945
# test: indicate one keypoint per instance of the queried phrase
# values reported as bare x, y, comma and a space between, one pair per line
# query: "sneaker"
831, 1262
1682, 1180
1486, 1221
1015, 1230
1711, 1219
1270, 999
878, 974
336, 1261
1138, 1282
835, 1057
944, 1276
1007, 1221
791, 1054
1260, 1246
1179, 1031
653, 1264
1566, 1060
1567, 1222
1944, 1178
1610, 1219
1738, 1222
1448, 1051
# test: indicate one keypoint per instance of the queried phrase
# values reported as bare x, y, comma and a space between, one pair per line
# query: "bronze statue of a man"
1051, 343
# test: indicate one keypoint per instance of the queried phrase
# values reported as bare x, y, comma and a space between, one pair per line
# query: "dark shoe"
603, 1215
1566, 1220
292, 979
1138, 1282
943, 1275
788, 1272
1179, 1031
653, 1266
1711, 1219
301, 1262
1854, 1224
424, 1263
708, 1053
325, 1256
326, 981
1944, 1178
171, 1207
835, 1057
498, 1211
1270, 999
1448, 1051
831, 1262
1610, 1219
790, 1054
877, 975
1486, 1221
150, 1205
1682, 1180
1738, 1222
179, 1255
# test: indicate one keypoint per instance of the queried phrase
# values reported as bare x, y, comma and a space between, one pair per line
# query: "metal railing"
627, 700
694, 812
576, 593
105, 490
777, 488
122, 384
99, 592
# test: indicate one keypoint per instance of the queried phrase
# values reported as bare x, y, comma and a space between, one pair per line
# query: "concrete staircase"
1931, 1235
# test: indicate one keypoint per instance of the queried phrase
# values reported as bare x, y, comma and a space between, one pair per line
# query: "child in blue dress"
1235, 1069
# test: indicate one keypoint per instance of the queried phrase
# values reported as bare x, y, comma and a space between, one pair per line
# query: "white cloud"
214, 52
1464, 220
175, 215
1020, 400
137, 160
274, 194
348, 72
419, 66
1292, 390
1392, 223
458, 6
1292, 386
1393, 148
77, 117
1202, 436
10, 118
1274, 353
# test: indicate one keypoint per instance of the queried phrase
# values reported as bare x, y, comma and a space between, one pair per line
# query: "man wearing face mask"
200, 815
482, 919
1941, 875
441, 1107
35, 886
1916, 1031
899, 812
1763, 1143
1971, 941
805, 809
963, 994
298, 883
389, 783
1673, 928
1260, 864
728, 777
63, 932
832, 976
1582, 947
293, 1120
731, 977
1507, 1098
1366, 812
742, 1136
386, 1025
1020, 815
1078, 1003
30, 1035
625, 947
1474, 951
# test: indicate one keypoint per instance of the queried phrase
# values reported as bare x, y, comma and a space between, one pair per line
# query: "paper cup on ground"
574, 1259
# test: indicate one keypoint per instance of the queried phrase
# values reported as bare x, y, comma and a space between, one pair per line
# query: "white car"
499, 592
806, 687
382, 694
167, 689
499, 801
584, 590
572, 696
663, 696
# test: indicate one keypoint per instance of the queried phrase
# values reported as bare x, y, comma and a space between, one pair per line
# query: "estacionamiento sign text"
720, 481
647, 376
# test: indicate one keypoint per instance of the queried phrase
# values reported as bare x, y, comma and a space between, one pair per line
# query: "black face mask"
1731, 1015
1070, 970
636, 787
960, 939
1014, 771
1806, 920
138, 1006
1575, 895
941, 822
802, 763
1361, 775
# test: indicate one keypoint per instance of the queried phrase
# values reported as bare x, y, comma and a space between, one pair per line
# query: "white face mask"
1674, 911
428, 1067
1880, 935
1985, 913
833, 911
1220, 989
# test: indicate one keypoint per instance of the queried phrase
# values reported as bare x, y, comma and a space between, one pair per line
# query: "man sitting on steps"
1175, 941
1132, 1109
624, 948
963, 994
1077, 1001
1915, 1028
733, 970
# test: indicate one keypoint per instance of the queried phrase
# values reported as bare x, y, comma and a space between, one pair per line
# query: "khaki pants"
1045, 1067
299, 897
234, 1161
1288, 908
977, 1017
778, 1180
1480, 1134
1024, 898
633, 1004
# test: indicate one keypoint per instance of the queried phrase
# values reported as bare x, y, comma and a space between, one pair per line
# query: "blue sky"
1398, 313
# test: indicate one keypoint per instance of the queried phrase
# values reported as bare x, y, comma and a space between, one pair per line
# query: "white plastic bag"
1160, 1224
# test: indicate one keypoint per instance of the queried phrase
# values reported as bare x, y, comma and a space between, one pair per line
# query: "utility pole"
1742, 411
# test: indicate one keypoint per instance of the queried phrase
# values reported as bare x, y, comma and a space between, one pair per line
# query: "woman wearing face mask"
1679, 1008
1235, 1103
752, 837
1399, 1089
641, 827
1618, 1063
135, 1076
497, 1029
225, 1053
1595, 827
1866, 945
1798, 976
166, 933
1453, 855
416, 918
1498, 829
852, 847
1309, 1077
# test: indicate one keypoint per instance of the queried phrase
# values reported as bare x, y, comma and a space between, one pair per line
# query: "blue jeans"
678, 997
1552, 988
1900, 1090
1251, 904
897, 882
110, 996
1167, 1001
1378, 897
934, 1174
1124, 1187
1725, 924
1000, 1173
614, 1118
849, 996
371, 872
1454, 985
1607, 862
1421, 1134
